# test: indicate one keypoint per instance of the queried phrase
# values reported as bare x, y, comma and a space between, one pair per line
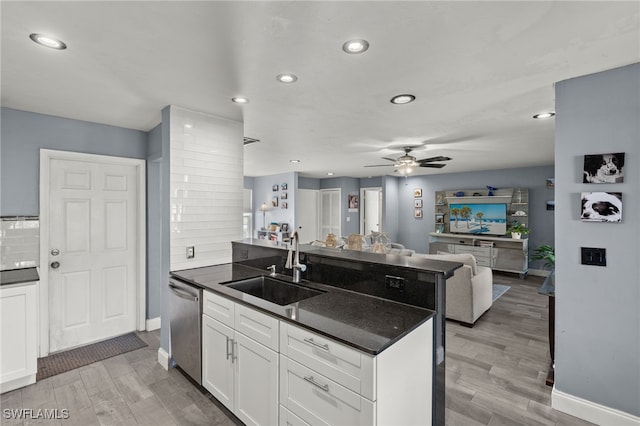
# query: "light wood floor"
495, 376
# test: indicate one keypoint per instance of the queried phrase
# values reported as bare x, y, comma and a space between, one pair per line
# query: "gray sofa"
469, 290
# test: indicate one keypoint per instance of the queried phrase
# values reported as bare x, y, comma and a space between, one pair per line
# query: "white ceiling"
479, 70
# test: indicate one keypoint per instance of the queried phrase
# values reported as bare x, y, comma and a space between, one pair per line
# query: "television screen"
483, 219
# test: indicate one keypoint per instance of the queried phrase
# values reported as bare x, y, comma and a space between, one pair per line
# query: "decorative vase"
516, 235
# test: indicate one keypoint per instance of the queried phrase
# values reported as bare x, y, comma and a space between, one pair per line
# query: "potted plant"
547, 253
517, 230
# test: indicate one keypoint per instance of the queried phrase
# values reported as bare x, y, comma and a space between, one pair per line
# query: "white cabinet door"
256, 385
217, 368
18, 341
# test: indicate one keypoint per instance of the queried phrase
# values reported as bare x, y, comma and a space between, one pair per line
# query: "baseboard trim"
163, 358
153, 324
539, 272
590, 411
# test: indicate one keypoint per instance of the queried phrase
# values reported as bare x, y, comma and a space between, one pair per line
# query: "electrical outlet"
191, 252
593, 256
394, 282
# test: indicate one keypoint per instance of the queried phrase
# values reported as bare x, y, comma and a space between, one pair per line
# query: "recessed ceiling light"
240, 100
188, 126
48, 41
544, 115
286, 78
402, 99
330, 174
294, 161
356, 46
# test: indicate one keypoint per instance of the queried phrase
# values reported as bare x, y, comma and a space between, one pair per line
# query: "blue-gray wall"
308, 183
347, 185
24, 133
154, 223
263, 193
165, 224
414, 233
598, 308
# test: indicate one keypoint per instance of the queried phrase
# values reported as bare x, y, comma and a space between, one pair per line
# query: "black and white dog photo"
602, 206
604, 168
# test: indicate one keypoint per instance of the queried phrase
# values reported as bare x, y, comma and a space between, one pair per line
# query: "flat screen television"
482, 219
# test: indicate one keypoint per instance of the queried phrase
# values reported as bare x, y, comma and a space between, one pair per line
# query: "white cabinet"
325, 382
18, 339
238, 366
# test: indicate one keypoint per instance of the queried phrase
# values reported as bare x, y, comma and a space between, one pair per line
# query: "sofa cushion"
465, 258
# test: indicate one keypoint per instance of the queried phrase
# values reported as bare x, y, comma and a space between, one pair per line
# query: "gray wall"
262, 192
308, 183
390, 212
347, 185
165, 224
414, 233
154, 223
598, 308
24, 133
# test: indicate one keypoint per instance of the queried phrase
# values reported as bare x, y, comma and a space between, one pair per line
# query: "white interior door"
330, 216
371, 217
307, 214
93, 251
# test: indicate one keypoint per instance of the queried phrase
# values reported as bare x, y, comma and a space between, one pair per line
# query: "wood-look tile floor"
495, 376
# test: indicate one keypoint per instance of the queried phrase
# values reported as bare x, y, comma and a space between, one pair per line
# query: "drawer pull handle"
316, 344
311, 380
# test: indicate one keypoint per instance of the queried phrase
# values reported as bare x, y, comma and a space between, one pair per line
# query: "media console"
498, 253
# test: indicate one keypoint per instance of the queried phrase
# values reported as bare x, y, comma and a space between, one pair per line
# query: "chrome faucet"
298, 268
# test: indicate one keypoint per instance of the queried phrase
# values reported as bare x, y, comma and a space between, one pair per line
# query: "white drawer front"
346, 366
318, 400
219, 308
260, 327
287, 418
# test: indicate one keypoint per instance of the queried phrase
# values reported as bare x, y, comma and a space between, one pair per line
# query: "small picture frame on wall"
284, 204
551, 205
283, 186
417, 213
551, 182
274, 201
417, 204
439, 218
417, 192
274, 188
283, 196
603, 168
601, 207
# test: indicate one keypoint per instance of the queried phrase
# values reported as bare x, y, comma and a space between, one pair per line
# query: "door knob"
55, 265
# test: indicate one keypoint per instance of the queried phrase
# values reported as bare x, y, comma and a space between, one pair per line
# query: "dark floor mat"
78, 357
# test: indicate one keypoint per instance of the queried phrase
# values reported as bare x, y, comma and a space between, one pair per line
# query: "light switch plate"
593, 256
191, 252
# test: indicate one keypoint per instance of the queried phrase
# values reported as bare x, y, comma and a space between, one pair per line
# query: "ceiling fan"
405, 163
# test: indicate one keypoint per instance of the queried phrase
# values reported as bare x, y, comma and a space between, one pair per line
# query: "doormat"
499, 290
74, 358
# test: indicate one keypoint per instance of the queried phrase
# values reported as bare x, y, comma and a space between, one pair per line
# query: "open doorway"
371, 211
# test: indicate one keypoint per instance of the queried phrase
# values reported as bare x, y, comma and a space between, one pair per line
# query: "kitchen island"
344, 355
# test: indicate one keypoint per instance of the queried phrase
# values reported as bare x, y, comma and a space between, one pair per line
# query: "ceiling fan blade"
380, 165
438, 158
390, 159
433, 165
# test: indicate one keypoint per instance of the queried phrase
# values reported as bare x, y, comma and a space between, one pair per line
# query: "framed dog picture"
603, 168
601, 207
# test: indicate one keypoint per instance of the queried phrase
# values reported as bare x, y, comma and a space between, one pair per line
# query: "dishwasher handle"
184, 294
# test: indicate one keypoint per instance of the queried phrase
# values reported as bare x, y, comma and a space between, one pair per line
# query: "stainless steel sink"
275, 291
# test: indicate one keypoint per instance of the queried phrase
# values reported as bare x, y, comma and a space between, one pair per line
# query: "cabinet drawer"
217, 307
348, 367
317, 399
260, 327
287, 418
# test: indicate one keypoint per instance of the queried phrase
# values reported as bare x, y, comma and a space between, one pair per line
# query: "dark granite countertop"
367, 323
18, 276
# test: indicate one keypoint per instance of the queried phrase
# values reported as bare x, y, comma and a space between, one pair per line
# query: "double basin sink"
273, 290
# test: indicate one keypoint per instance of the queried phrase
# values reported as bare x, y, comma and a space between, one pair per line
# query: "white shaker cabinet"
239, 363
18, 345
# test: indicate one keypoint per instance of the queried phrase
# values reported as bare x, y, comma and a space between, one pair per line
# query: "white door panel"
93, 224
307, 214
330, 216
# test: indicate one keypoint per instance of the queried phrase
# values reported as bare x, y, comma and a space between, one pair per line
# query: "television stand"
498, 253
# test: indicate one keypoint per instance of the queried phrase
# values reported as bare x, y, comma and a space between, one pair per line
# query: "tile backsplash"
19, 242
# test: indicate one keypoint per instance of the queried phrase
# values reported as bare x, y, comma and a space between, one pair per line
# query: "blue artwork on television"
484, 219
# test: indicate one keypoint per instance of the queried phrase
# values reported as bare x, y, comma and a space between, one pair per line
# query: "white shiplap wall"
206, 187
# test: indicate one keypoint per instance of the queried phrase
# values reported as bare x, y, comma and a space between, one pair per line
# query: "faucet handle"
272, 268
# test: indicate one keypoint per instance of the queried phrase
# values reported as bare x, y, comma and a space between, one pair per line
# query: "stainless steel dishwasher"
185, 315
